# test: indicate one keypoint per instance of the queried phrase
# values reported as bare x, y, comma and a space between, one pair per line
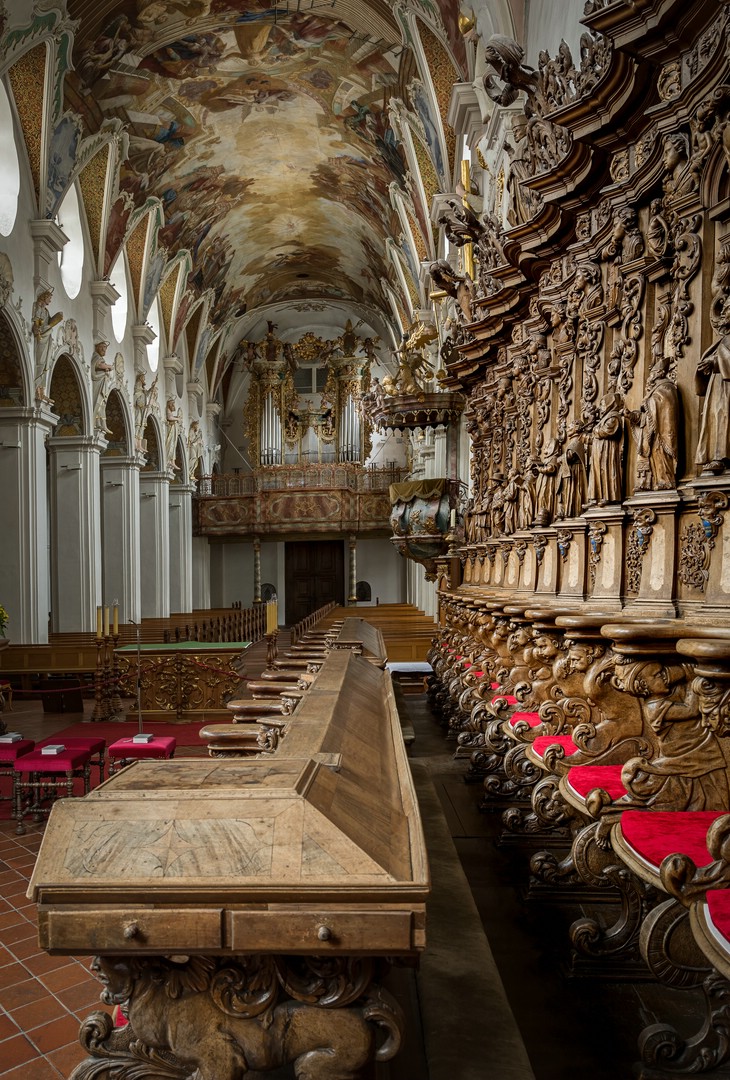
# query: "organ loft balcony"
294, 501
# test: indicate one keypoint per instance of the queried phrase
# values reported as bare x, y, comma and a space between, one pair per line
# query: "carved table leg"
222, 1017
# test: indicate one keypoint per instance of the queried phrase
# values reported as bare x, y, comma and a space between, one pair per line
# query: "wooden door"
315, 575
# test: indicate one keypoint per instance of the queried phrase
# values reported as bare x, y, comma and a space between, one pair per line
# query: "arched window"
118, 278
153, 350
71, 258
9, 166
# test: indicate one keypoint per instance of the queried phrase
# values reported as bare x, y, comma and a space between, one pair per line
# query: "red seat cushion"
531, 718
542, 742
162, 746
582, 779
718, 905
10, 751
73, 757
509, 698
654, 834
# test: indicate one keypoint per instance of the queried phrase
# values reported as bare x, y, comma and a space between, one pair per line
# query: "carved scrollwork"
565, 539
663, 1046
697, 540
596, 532
637, 545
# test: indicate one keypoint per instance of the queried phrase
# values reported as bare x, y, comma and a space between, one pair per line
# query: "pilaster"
121, 574
75, 499
154, 531
604, 554
24, 569
181, 535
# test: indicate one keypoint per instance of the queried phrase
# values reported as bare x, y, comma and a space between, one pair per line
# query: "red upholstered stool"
9, 753
95, 745
582, 779
124, 751
651, 835
39, 779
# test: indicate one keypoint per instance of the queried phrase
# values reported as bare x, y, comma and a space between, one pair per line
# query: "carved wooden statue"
654, 428
571, 485
713, 376
605, 477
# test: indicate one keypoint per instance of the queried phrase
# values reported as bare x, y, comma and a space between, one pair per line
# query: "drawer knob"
324, 933
131, 931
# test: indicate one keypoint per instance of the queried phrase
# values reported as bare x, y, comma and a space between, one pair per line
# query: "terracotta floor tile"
40, 964
25, 993
9, 922
64, 977
11, 974
39, 1069
4, 905
8, 1027
55, 1034
77, 998
27, 945
67, 1057
39, 1013
16, 1051
21, 940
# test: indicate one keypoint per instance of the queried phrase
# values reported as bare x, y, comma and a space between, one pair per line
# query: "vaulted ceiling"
267, 135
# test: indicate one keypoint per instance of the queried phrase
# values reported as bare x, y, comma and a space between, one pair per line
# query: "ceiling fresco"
265, 134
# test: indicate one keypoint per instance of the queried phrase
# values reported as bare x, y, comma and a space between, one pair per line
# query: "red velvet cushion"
160, 746
11, 751
467, 663
542, 742
73, 757
718, 904
656, 834
495, 686
509, 698
479, 674
584, 778
531, 718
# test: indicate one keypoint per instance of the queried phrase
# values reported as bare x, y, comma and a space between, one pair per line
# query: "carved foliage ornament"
698, 540
596, 531
637, 545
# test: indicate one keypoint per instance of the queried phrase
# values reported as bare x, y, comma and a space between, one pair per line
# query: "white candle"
453, 518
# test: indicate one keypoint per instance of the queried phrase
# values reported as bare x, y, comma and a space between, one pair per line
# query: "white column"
154, 533
200, 559
24, 566
181, 535
440, 460
121, 536
75, 532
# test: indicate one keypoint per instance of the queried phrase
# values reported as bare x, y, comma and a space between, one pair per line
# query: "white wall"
380, 564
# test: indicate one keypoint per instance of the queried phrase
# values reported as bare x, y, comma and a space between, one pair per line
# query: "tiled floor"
42, 998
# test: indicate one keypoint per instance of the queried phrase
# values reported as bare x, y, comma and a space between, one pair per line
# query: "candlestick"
106, 622
98, 622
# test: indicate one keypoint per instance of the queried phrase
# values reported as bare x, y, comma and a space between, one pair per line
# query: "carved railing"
286, 498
